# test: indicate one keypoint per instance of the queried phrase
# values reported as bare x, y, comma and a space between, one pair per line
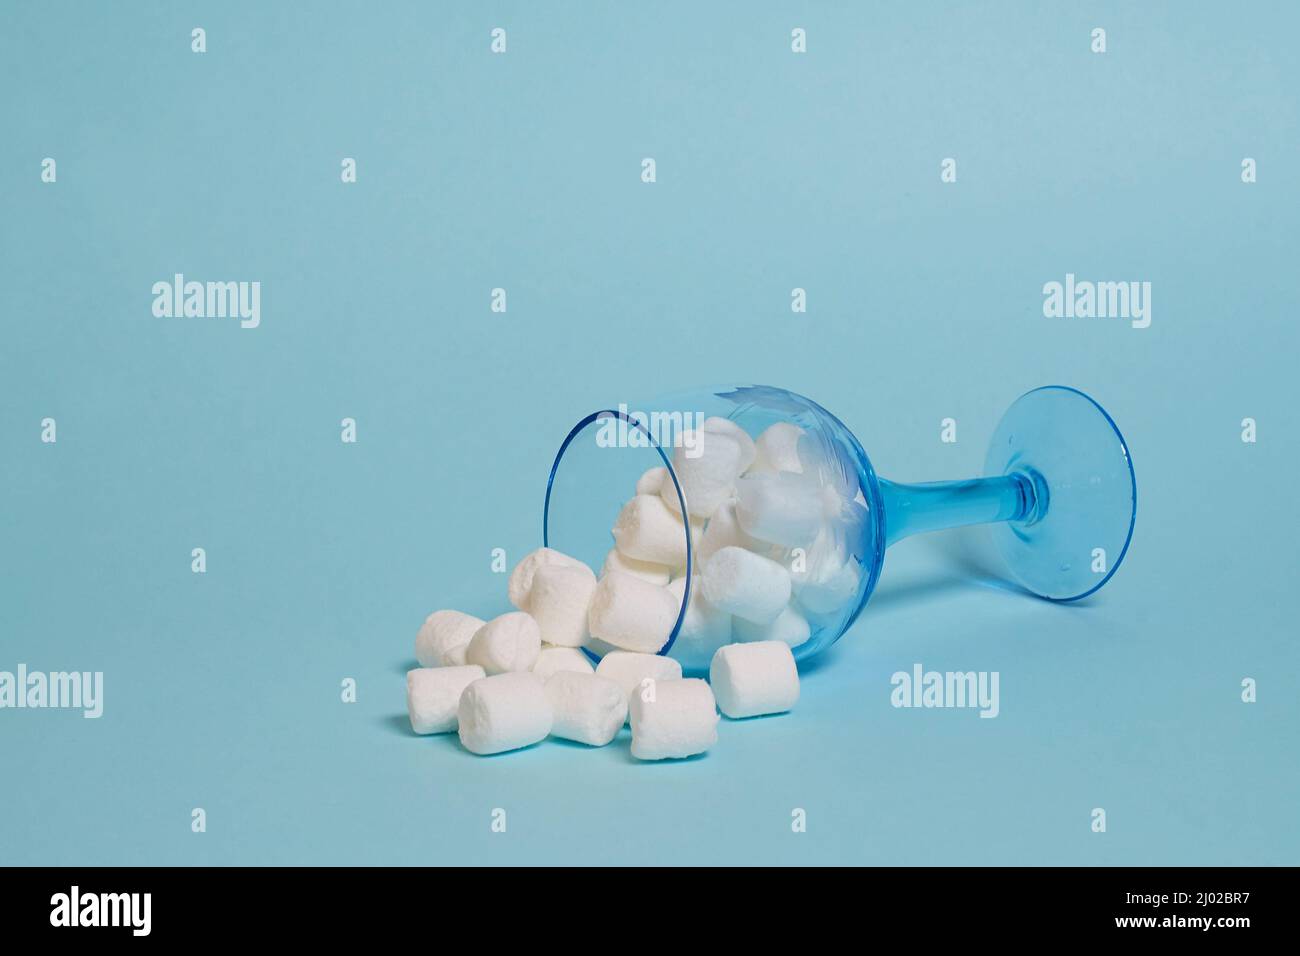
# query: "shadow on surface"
398, 724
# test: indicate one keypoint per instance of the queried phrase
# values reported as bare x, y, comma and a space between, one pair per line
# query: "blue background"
522, 170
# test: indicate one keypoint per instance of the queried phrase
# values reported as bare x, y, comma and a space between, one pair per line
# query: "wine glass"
1058, 493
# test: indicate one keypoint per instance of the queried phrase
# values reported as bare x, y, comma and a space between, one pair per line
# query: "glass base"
1080, 524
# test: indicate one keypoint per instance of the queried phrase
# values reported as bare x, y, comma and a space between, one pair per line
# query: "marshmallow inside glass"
750, 513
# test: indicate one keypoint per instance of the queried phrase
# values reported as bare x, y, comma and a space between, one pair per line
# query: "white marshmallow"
725, 426
504, 712
722, 531
510, 642
704, 629
790, 627
835, 587
652, 481
697, 533
659, 574
824, 461
723, 451
553, 660
753, 679
521, 578
832, 503
745, 584
648, 530
829, 576
628, 670
601, 648
673, 719
443, 638
558, 601
432, 695
587, 708
631, 613
783, 508
778, 448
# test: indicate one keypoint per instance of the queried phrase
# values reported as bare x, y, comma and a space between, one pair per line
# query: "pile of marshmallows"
751, 504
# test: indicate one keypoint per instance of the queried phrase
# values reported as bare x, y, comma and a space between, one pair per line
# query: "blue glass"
1058, 493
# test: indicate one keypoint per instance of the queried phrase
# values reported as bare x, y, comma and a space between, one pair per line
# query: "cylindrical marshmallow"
707, 463
782, 508
716, 424
745, 584
510, 642
587, 708
443, 638
704, 629
827, 580
778, 448
629, 670
790, 627
673, 719
558, 601
433, 694
552, 660
504, 712
648, 530
659, 574
521, 578
753, 679
723, 530
631, 613
651, 481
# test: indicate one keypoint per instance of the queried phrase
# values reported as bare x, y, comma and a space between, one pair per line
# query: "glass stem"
935, 505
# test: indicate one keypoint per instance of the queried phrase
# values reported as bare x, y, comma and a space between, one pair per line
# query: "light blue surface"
775, 170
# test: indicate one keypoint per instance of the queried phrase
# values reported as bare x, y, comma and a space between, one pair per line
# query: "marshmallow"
782, 508
745, 584
628, 670
443, 638
673, 719
753, 679
504, 712
827, 462
632, 614
432, 694
723, 530
510, 642
553, 660
825, 578
707, 480
587, 708
652, 481
659, 574
558, 601
830, 589
648, 530
601, 648
851, 516
778, 448
521, 578
789, 627
704, 629
725, 426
